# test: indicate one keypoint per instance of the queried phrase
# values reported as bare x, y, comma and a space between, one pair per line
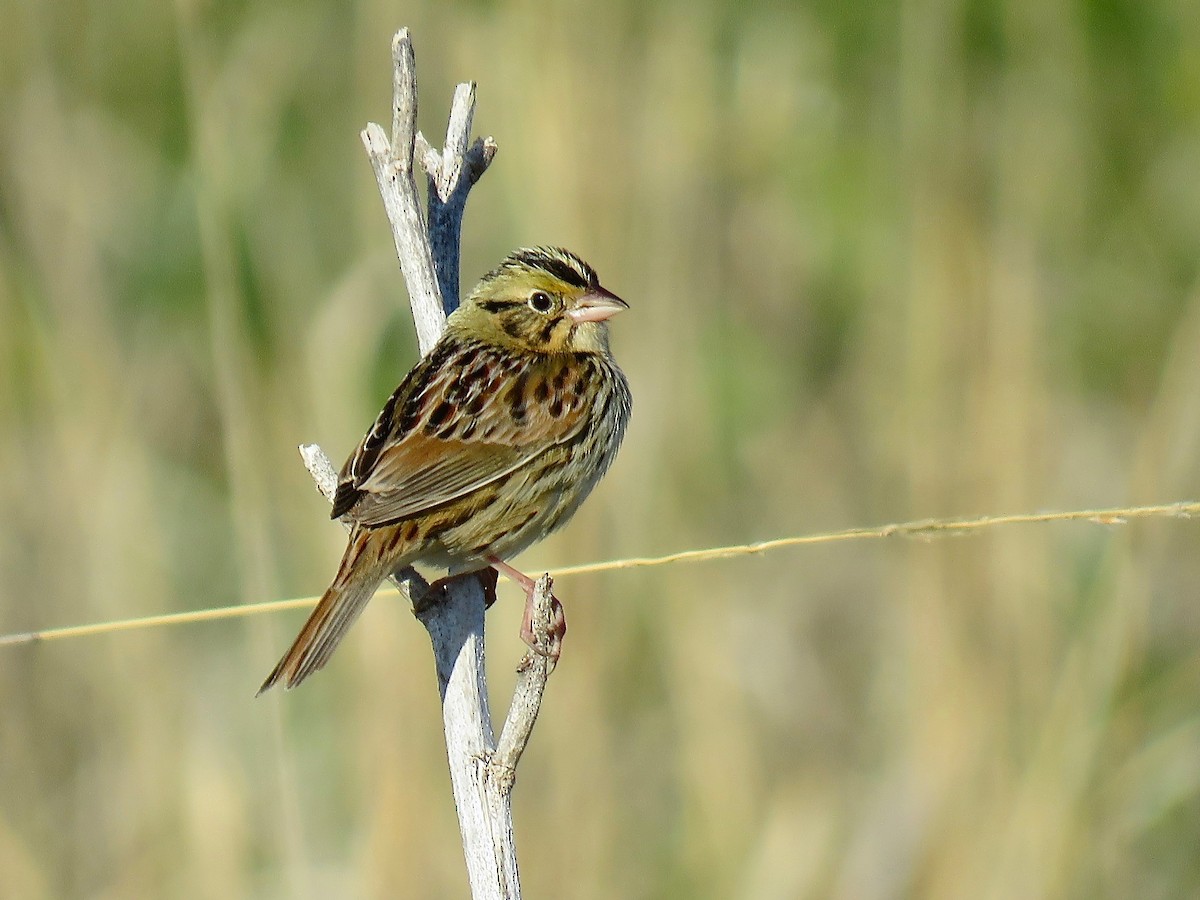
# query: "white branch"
534, 671
481, 773
393, 164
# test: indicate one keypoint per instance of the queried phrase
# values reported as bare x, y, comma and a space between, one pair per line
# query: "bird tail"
359, 574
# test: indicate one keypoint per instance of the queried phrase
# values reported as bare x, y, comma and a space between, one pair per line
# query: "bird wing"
451, 428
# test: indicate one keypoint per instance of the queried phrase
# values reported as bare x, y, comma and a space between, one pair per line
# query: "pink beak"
596, 306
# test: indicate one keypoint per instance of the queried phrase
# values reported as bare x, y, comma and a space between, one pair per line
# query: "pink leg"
558, 624
526, 583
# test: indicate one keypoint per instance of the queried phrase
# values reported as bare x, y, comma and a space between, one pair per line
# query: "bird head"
542, 300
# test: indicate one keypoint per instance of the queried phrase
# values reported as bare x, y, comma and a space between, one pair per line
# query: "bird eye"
540, 301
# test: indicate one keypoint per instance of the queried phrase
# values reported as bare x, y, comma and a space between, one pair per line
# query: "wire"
925, 528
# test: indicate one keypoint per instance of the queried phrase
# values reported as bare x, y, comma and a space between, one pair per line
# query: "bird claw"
544, 637
487, 580
436, 592
546, 640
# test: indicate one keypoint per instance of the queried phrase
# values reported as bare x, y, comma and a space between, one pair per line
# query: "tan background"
885, 262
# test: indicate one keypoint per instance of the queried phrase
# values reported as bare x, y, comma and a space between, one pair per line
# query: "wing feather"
458, 422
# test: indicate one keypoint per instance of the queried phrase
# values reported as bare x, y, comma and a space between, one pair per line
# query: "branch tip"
404, 98
376, 142
320, 468
462, 112
480, 156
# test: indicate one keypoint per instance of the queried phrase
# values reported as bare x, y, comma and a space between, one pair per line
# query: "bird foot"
487, 580
543, 637
546, 641
436, 592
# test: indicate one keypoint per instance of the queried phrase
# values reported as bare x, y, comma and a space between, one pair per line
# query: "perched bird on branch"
490, 443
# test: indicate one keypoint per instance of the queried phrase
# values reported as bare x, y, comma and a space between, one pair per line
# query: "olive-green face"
541, 300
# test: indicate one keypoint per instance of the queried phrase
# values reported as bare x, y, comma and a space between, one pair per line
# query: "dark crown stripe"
562, 264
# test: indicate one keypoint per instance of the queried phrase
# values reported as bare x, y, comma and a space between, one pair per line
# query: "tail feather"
341, 605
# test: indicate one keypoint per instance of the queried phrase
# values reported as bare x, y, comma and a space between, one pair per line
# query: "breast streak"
526, 505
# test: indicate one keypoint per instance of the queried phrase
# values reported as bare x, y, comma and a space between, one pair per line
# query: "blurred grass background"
885, 262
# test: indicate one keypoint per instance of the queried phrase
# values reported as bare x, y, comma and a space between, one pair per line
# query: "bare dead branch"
481, 775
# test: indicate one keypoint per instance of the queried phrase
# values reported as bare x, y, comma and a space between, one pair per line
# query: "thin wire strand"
924, 528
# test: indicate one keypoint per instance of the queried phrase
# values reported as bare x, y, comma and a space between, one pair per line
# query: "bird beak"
596, 306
